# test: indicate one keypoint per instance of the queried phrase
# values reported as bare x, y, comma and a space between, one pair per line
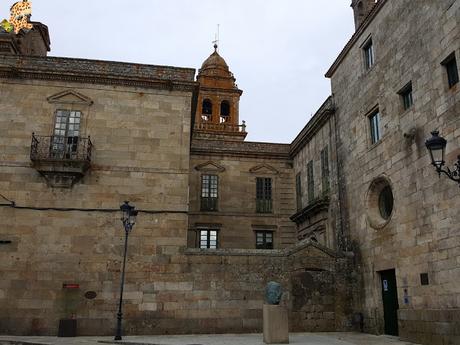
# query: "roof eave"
370, 17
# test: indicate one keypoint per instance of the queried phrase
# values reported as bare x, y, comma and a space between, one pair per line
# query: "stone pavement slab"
215, 339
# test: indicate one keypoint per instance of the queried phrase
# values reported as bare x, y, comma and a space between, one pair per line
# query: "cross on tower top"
217, 38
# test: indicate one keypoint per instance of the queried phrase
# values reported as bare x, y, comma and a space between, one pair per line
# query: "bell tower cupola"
217, 111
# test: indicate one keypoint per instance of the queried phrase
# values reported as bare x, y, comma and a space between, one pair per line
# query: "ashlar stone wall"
55, 236
315, 168
410, 40
236, 217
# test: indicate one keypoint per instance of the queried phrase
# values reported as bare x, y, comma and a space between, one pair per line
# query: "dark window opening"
206, 112
325, 170
406, 96
264, 202
386, 202
450, 64
374, 120
310, 182
369, 58
224, 111
298, 187
208, 239
264, 240
424, 279
209, 192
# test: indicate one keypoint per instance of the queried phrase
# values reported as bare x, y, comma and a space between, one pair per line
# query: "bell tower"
361, 9
217, 111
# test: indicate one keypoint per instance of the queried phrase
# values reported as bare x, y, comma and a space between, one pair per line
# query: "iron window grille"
264, 240
209, 192
264, 203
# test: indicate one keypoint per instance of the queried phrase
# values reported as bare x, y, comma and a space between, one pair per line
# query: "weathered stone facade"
410, 41
60, 207
175, 148
317, 194
237, 167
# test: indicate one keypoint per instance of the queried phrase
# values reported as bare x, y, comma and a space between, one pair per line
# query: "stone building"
350, 216
395, 82
78, 137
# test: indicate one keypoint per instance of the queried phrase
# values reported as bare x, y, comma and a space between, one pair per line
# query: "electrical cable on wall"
12, 204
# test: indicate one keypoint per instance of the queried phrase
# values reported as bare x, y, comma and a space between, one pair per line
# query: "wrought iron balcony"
208, 204
60, 148
264, 205
61, 160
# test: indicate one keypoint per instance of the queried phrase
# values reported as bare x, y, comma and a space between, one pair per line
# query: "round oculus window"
386, 202
380, 203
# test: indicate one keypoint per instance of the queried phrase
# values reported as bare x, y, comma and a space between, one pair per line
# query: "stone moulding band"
15, 73
98, 72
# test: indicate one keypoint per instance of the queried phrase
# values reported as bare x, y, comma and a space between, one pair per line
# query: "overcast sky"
278, 50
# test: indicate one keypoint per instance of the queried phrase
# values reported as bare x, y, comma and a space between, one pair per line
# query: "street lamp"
436, 145
129, 219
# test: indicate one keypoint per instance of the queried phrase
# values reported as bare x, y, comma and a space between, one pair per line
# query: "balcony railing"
59, 148
208, 204
221, 127
264, 206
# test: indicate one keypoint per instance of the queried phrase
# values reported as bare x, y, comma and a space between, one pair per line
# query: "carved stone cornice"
98, 72
317, 206
240, 149
313, 126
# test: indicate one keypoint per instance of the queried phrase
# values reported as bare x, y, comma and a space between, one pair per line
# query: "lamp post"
129, 219
436, 145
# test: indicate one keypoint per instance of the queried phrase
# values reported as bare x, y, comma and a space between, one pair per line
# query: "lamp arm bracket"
453, 175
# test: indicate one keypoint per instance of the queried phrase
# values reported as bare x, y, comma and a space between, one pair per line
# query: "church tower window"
206, 112
224, 112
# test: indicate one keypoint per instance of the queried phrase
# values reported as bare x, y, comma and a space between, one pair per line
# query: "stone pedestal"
276, 325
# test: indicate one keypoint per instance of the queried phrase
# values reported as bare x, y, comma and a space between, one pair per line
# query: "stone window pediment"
63, 156
70, 97
264, 169
211, 167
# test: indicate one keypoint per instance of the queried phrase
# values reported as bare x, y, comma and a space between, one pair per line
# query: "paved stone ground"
240, 339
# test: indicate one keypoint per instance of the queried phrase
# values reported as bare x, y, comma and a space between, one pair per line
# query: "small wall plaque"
70, 286
90, 294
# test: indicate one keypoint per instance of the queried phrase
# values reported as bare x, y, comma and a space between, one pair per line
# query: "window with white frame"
208, 239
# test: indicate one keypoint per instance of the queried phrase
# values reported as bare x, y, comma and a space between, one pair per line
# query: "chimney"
35, 42
361, 9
